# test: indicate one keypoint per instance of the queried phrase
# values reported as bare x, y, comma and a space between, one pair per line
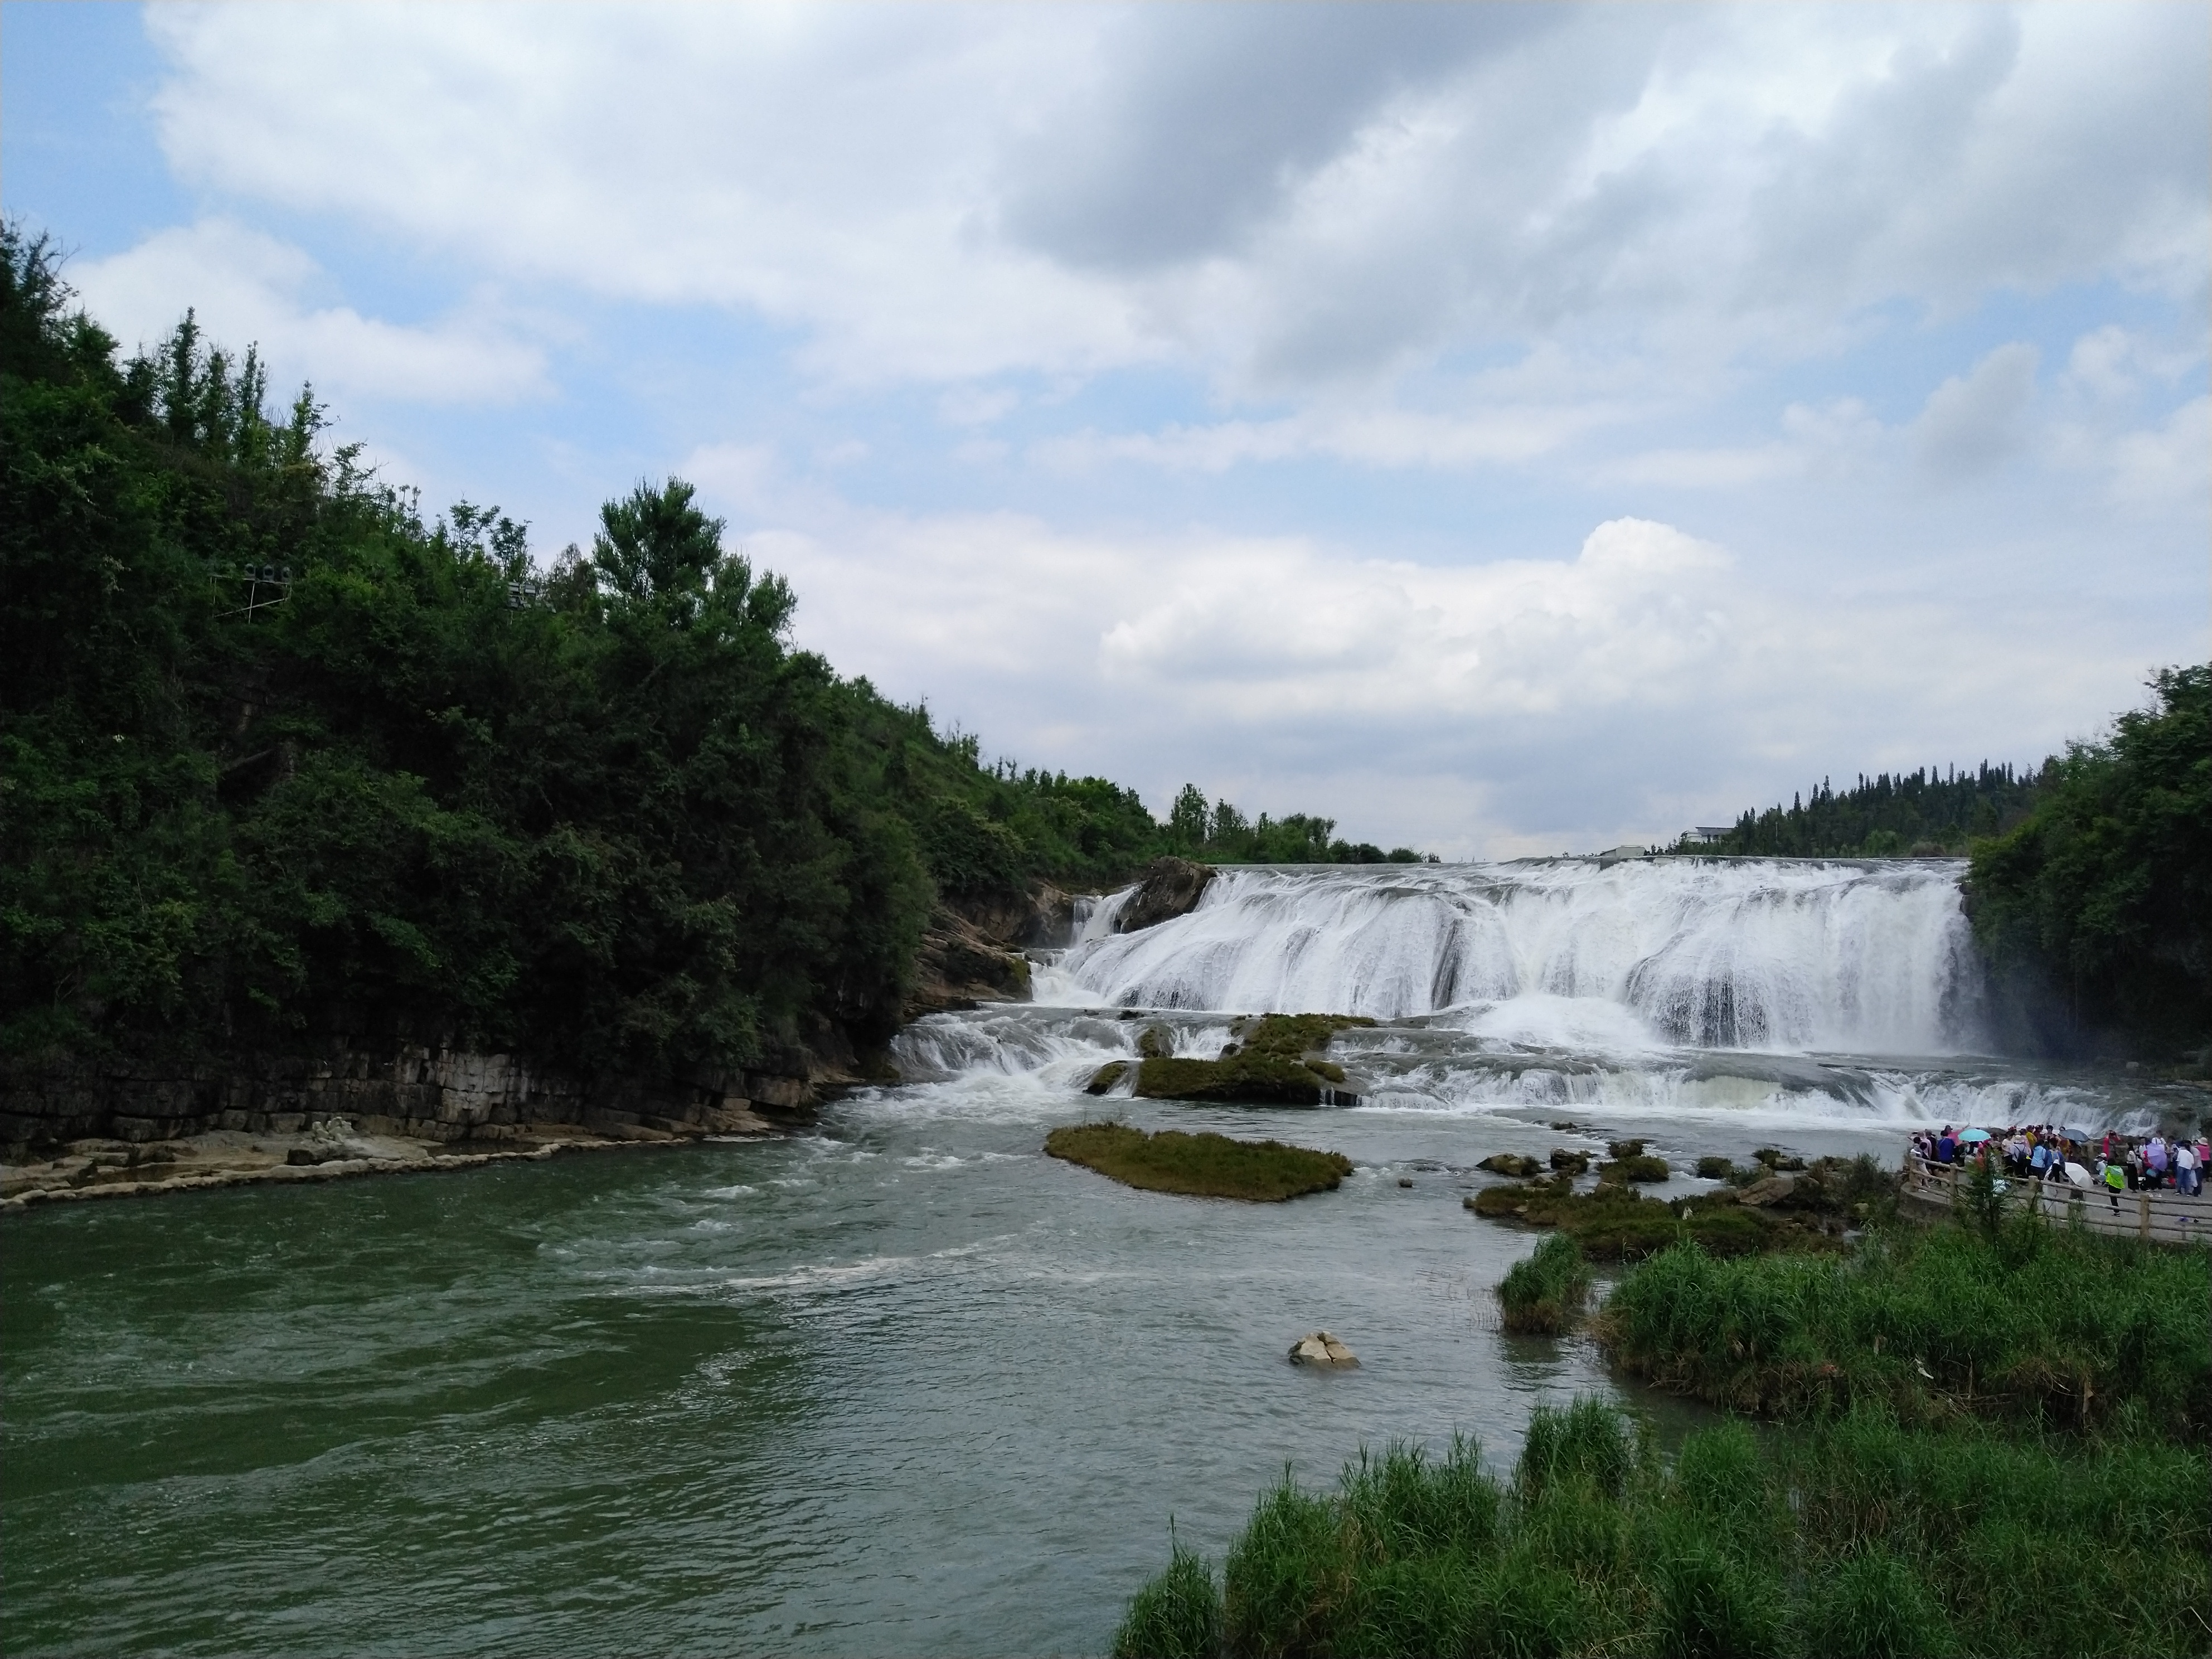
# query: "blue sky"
1503, 429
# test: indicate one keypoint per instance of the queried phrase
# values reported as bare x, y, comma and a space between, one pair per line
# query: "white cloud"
1497, 706
1977, 421
249, 287
950, 193
2169, 464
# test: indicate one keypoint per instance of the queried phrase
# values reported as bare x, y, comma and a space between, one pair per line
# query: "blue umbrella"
1974, 1134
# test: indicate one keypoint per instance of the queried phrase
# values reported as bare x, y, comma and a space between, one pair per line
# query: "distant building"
1706, 834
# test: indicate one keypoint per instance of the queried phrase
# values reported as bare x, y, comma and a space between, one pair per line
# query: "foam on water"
1784, 956
1758, 993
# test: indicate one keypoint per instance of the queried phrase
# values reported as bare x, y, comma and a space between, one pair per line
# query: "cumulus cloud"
1281, 198
247, 287
1977, 421
2170, 463
1618, 689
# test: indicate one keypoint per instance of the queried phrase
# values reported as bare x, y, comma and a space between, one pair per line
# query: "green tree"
2098, 909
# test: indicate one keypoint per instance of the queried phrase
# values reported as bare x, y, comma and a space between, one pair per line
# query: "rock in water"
1322, 1349
1771, 1190
1171, 888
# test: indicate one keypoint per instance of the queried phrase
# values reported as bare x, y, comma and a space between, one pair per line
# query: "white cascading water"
1764, 994
1779, 957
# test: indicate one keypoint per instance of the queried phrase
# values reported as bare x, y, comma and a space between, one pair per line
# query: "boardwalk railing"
2163, 1217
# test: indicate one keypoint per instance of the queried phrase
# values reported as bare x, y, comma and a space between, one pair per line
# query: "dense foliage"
1857, 1537
1921, 813
2098, 909
280, 757
1220, 834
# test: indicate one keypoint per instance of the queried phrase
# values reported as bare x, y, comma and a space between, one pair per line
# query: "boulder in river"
1322, 1349
1771, 1189
1511, 1164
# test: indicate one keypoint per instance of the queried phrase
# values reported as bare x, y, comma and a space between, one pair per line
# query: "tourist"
2186, 1175
2154, 1157
2115, 1179
1947, 1146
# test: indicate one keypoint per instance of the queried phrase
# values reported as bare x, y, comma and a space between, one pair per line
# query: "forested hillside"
1924, 812
2091, 883
279, 756
2097, 910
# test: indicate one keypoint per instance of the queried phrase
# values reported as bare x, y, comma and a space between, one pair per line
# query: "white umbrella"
2078, 1175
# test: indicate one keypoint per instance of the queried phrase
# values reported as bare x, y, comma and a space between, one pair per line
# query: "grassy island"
1613, 1222
1997, 1447
1273, 1060
1198, 1165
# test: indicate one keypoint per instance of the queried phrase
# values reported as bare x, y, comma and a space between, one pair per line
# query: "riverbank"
1994, 1446
331, 1149
1856, 1537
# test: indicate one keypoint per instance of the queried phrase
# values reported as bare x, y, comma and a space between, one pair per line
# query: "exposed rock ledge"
1171, 887
404, 1097
327, 1150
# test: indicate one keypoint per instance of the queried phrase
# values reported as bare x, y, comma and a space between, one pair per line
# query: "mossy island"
1273, 1060
1202, 1165
1812, 1209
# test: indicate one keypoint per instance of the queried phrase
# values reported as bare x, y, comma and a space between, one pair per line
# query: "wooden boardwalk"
2164, 1217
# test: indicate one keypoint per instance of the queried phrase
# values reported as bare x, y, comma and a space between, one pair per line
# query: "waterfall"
1783, 956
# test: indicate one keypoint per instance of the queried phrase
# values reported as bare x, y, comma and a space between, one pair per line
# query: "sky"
1502, 430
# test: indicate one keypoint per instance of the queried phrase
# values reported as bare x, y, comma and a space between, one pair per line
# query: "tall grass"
1543, 1293
2024, 1322
1855, 1536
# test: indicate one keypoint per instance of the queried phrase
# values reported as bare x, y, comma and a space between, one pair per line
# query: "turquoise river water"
900, 1384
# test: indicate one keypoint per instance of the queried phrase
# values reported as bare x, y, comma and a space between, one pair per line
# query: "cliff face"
437, 1094
972, 950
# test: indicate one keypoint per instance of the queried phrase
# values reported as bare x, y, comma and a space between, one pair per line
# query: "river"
901, 1385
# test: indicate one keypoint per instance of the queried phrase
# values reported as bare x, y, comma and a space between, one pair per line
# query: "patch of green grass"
1176, 1616
1856, 1536
1614, 1224
1543, 1294
1272, 1060
1198, 1165
2037, 1324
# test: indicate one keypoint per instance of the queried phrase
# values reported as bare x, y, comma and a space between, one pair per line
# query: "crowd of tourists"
2118, 1163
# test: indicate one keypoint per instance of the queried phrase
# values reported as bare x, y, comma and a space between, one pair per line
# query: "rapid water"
904, 1385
